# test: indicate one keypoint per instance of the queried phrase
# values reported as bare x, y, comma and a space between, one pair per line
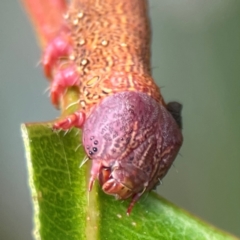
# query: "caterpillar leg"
76, 119
63, 79
58, 49
59, 67
135, 198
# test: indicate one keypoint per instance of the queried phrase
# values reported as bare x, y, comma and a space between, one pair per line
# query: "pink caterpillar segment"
129, 132
133, 141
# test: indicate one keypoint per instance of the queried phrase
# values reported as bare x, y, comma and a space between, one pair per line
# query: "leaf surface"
65, 210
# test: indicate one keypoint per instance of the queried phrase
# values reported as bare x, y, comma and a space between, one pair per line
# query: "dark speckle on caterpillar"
131, 135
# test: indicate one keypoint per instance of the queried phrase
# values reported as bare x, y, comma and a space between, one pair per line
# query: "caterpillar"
128, 131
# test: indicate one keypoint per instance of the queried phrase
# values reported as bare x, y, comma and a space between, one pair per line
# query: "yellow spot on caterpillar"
95, 96
75, 21
85, 92
106, 90
82, 42
84, 62
104, 42
83, 104
80, 15
72, 57
92, 81
123, 44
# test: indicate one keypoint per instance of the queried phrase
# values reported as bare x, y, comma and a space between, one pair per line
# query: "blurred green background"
196, 60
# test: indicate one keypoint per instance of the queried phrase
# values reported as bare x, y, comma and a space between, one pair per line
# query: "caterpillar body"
129, 132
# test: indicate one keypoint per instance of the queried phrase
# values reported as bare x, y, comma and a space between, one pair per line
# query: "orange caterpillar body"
129, 132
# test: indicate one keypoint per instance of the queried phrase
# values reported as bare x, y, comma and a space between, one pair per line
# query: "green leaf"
65, 210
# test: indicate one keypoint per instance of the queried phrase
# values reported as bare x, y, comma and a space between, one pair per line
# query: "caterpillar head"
132, 141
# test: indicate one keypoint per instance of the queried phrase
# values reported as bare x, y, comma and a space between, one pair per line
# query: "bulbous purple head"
132, 141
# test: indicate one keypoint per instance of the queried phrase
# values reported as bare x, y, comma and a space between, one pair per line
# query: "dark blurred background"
196, 60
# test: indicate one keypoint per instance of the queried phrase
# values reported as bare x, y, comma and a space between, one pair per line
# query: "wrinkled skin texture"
129, 133
132, 141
